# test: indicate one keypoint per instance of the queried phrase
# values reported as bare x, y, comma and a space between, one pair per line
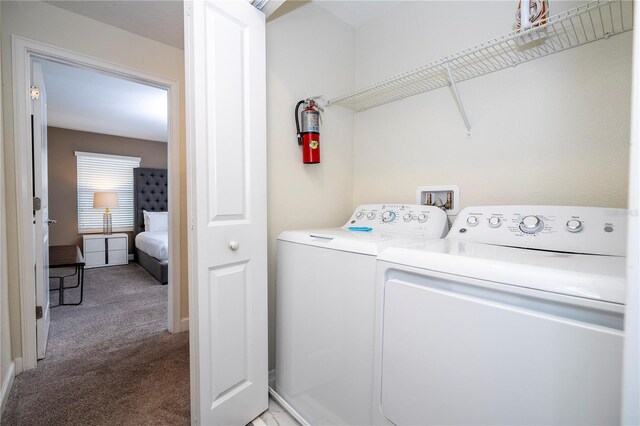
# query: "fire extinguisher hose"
296, 112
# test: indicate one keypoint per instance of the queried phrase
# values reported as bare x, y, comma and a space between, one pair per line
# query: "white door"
226, 128
41, 214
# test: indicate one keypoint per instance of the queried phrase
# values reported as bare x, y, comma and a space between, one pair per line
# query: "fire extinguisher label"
313, 144
310, 122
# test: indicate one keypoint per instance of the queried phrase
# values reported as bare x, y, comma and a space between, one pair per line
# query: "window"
111, 173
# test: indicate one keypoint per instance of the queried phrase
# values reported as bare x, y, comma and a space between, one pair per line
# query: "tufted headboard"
150, 193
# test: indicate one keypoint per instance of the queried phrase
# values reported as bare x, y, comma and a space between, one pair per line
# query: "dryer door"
455, 353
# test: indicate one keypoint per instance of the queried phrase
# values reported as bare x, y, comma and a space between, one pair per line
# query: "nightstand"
105, 250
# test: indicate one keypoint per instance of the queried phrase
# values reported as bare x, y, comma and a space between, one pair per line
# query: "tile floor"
275, 416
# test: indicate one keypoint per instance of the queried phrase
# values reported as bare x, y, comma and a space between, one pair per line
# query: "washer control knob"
407, 217
472, 220
422, 218
359, 215
531, 224
388, 216
371, 216
574, 225
495, 222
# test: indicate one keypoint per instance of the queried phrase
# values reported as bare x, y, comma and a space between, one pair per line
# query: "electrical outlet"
447, 196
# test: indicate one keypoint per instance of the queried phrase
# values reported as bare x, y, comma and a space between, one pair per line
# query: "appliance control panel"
586, 230
406, 218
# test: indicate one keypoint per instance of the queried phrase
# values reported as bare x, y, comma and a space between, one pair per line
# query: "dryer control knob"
388, 216
495, 222
371, 216
472, 221
422, 218
531, 224
574, 225
359, 215
407, 217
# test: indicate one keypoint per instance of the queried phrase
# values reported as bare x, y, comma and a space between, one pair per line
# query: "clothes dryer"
515, 318
325, 309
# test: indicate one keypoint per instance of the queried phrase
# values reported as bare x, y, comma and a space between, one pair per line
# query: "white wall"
552, 131
309, 52
48, 24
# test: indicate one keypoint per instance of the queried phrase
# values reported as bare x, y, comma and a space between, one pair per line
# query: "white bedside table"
105, 250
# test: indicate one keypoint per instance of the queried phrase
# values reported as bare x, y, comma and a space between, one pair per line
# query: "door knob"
51, 221
233, 245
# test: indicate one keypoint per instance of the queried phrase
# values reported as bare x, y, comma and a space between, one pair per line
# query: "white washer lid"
370, 243
595, 277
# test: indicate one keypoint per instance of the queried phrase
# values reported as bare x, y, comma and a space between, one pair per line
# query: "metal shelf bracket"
452, 83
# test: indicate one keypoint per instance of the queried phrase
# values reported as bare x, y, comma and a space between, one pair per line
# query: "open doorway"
122, 333
107, 161
27, 52
107, 151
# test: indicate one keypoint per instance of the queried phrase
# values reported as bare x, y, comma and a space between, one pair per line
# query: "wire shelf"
584, 24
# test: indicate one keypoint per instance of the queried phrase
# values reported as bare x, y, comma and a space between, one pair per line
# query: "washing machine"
325, 307
515, 318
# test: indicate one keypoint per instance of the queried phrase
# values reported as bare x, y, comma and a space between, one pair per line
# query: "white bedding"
155, 244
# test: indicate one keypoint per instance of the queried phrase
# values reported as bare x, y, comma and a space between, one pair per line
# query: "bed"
150, 193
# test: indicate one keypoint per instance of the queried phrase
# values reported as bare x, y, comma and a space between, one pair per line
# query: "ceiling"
356, 13
157, 20
162, 20
91, 101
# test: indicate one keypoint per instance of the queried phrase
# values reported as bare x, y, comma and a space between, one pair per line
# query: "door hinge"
37, 204
35, 93
38, 312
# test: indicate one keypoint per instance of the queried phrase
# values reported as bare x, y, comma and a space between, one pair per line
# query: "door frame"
24, 51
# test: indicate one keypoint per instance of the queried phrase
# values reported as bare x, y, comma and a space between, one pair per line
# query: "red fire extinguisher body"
310, 148
309, 133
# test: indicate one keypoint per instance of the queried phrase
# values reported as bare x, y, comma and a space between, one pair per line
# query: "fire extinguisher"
309, 134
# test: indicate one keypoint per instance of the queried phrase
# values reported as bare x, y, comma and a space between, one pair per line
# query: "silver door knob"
233, 245
51, 221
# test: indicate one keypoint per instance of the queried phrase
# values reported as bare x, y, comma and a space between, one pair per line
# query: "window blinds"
110, 173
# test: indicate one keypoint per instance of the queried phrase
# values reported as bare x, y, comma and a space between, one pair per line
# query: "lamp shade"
105, 200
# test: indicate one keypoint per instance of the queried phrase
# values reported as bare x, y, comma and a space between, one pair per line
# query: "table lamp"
106, 200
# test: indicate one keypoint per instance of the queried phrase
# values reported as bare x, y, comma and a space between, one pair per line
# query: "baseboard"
272, 378
184, 324
18, 364
289, 409
7, 384
131, 256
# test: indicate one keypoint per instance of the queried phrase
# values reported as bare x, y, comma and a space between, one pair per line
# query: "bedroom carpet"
109, 361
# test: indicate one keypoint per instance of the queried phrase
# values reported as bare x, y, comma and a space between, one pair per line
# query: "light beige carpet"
109, 361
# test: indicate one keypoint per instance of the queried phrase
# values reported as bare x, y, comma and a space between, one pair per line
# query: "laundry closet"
551, 131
